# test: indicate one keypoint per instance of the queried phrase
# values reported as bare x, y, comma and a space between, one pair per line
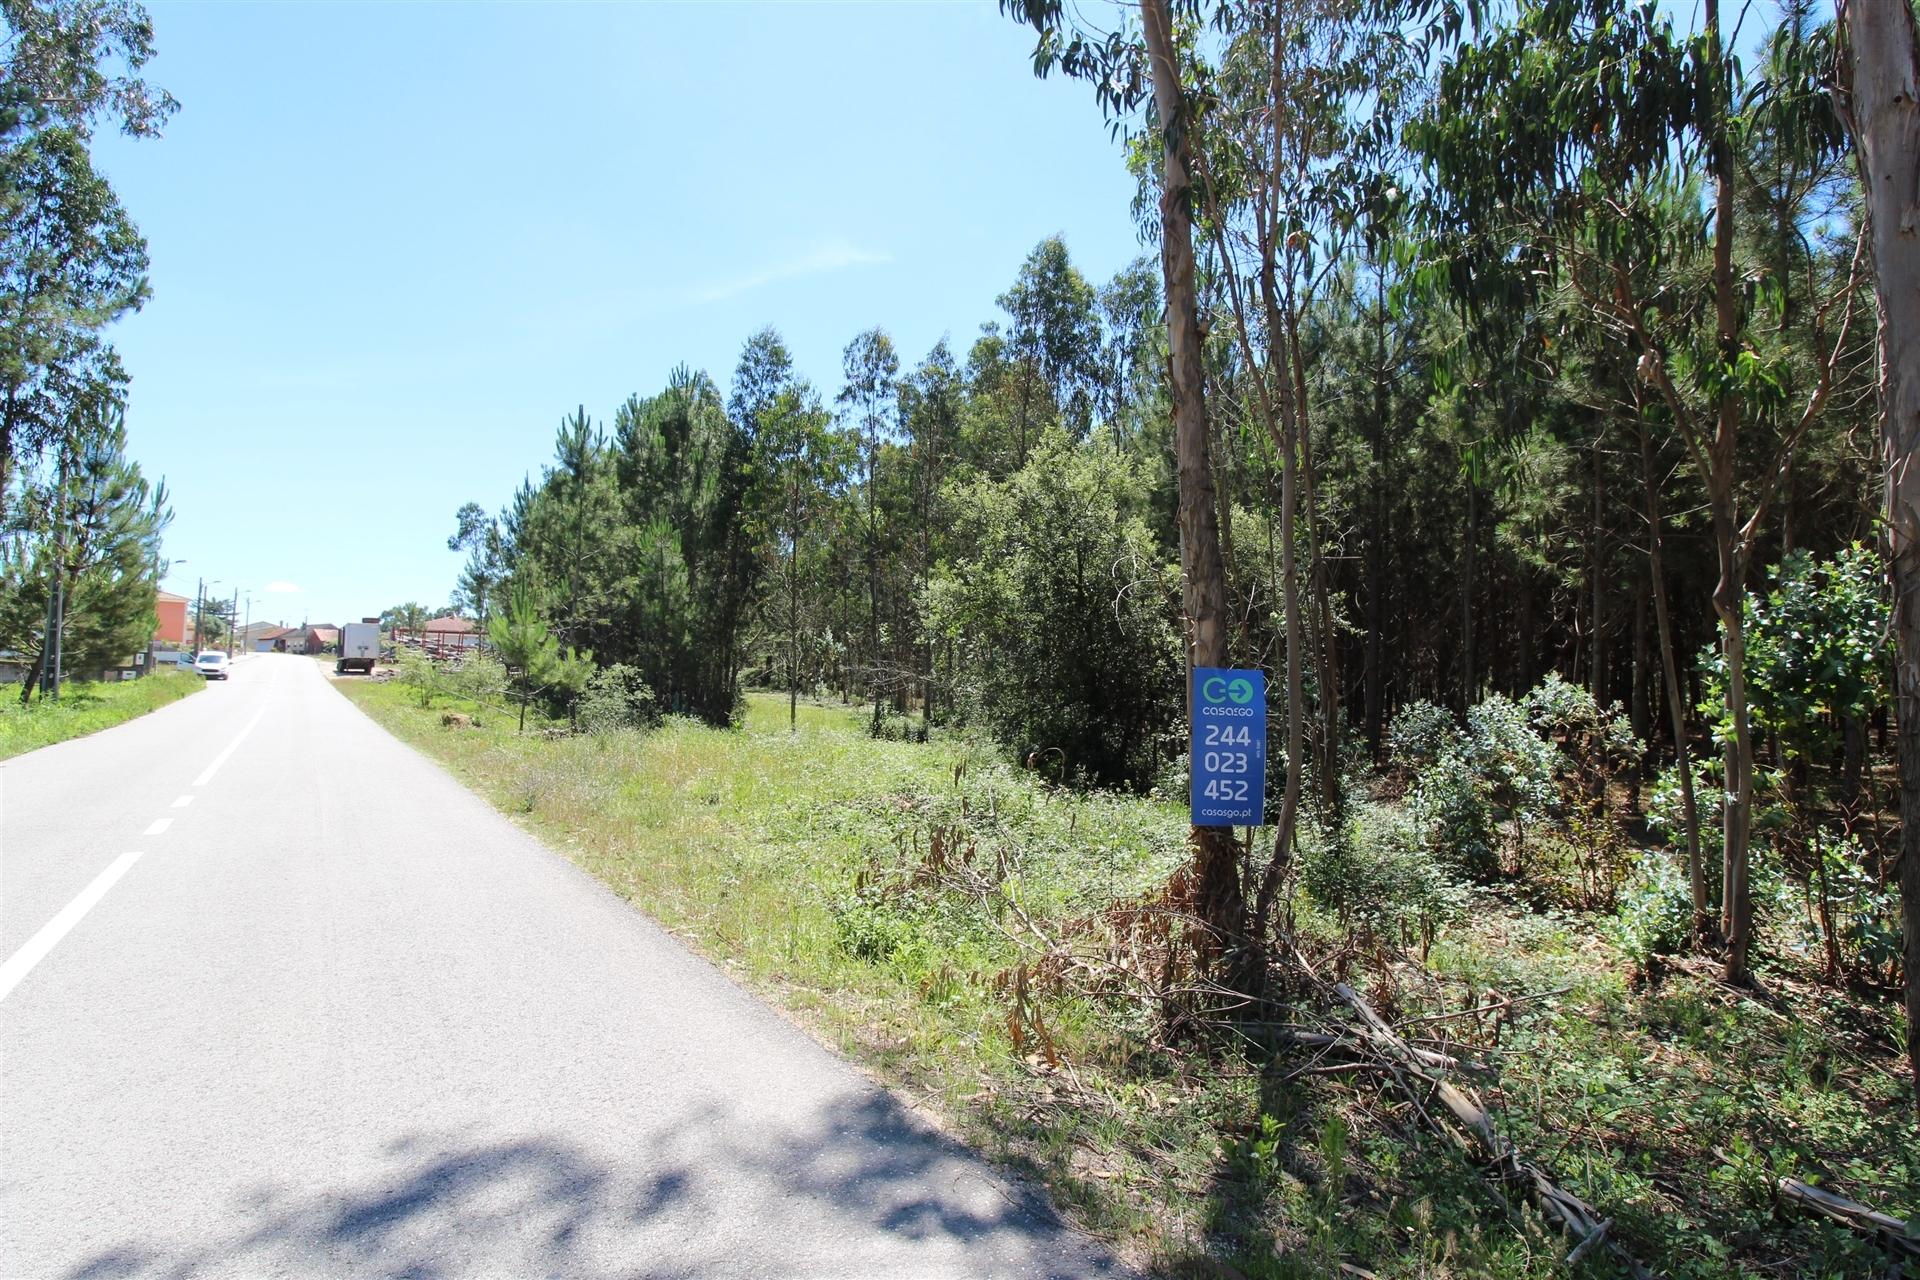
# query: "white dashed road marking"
206, 775
183, 802
22, 961
159, 826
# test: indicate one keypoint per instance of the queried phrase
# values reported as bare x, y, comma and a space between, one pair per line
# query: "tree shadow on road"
860, 1187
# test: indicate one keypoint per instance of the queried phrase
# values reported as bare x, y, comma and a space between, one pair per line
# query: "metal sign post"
1228, 750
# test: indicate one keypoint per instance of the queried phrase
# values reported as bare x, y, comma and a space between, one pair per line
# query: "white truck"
359, 647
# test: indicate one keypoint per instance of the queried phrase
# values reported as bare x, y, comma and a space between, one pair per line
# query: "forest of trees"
80, 527
1523, 359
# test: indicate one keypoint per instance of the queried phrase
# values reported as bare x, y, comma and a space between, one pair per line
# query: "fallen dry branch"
1106, 961
1477, 1138
1899, 1238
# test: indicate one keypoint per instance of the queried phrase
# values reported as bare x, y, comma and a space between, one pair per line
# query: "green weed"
86, 708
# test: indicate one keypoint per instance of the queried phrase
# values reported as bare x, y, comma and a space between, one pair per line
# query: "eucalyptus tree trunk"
1377, 536
1325, 659
1736, 903
1466, 593
1676, 696
1880, 76
1219, 900
1597, 561
1291, 425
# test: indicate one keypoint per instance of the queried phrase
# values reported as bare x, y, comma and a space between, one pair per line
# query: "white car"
213, 665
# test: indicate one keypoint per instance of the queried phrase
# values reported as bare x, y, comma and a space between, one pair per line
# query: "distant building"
321, 639
248, 641
267, 637
174, 626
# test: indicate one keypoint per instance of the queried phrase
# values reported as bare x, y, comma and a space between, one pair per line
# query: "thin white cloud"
833, 255
283, 588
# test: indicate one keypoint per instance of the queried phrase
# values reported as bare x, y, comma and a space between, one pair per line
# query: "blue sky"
392, 246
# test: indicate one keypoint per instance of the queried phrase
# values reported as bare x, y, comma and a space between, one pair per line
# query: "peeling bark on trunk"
1736, 911
1216, 864
1880, 78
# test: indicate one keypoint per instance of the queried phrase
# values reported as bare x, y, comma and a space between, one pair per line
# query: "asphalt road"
339, 1018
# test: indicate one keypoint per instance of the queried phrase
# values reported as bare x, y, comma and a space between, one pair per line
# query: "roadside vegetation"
87, 707
80, 525
1520, 417
996, 947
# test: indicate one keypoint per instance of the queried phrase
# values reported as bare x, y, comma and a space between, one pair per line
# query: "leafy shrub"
417, 673
1859, 916
478, 677
618, 697
1383, 878
1454, 815
1655, 912
1666, 807
1595, 742
1517, 765
1816, 651
1420, 734
870, 925
1522, 780
1065, 611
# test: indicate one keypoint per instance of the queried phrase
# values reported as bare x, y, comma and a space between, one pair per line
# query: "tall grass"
793, 860
85, 708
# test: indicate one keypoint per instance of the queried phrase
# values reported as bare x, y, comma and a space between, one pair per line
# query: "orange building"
172, 609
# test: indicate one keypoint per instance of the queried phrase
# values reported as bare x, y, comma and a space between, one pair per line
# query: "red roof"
450, 624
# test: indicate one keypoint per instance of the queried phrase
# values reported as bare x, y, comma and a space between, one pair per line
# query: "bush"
872, 925
1065, 612
478, 677
1453, 814
1383, 878
1858, 916
1479, 793
1655, 915
1420, 734
417, 673
1517, 764
1595, 742
618, 697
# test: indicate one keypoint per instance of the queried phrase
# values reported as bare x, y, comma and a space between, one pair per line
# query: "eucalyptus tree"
802, 463
931, 402
869, 397
1294, 150
1053, 336
480, 536
1129, 316
1559, 146
1132, 69
70, 62
1880, 87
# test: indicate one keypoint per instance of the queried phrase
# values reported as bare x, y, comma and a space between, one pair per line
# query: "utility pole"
56, 596
199, 601
59, 629
233, 613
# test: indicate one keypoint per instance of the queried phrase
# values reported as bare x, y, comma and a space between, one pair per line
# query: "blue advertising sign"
1229, 747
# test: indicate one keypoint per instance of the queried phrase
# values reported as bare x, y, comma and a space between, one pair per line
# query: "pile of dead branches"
1133, 951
